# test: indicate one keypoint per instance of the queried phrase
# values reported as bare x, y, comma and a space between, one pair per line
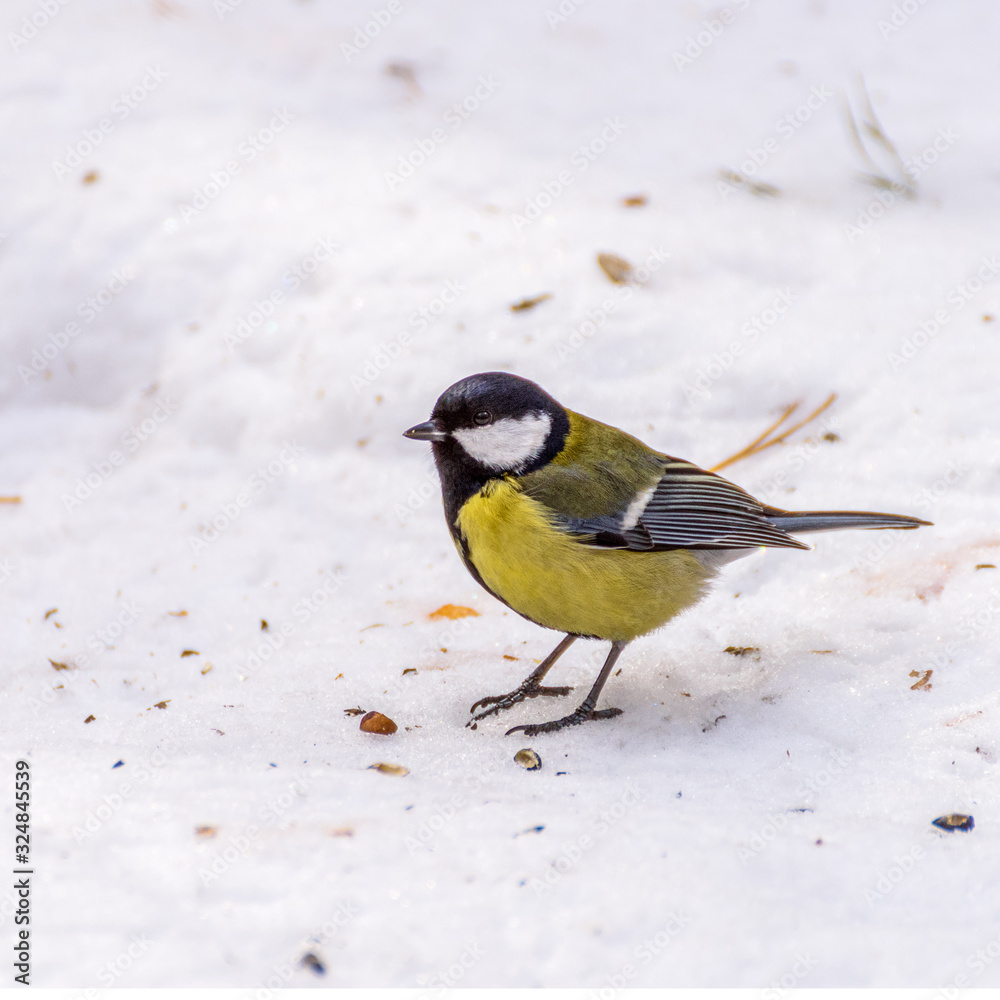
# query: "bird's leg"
530, 687
586, 710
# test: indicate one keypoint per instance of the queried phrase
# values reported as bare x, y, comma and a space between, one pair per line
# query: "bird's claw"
570, 720
501, 702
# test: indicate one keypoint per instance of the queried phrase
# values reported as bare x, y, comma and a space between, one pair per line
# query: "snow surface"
755, 820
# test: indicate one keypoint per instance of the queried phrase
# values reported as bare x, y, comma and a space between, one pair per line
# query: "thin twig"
750, 448
755, 446
873, 128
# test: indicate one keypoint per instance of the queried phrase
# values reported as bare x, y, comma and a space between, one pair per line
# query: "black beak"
431, 430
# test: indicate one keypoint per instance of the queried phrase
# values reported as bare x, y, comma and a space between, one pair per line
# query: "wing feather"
689, 509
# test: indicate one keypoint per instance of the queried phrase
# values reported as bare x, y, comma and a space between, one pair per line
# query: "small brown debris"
205, 669
831, 436
987, 318
528, 759
376, 722
924, 683
618, 269
162, 704
354, 711
409, 670
14, 499
205, 832
406, 72
741, 650
635, 201
90, 718
526, 304
177, 614
821, 652
451, 612
61, 666
986, 566
341, 831
50, 613
189, 652
964, 718
507, 656
954, 821
757, 188
397, 770
376, 625
263, 625
90, 176
337, 678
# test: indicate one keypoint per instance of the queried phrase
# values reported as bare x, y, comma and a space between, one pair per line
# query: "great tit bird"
580, 527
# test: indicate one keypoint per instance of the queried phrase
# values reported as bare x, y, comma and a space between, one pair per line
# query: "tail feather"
836, 520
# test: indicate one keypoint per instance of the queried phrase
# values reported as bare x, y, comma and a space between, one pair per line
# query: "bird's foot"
580, 715
501, 702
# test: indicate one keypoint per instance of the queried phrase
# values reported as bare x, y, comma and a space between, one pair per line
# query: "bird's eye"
482, 418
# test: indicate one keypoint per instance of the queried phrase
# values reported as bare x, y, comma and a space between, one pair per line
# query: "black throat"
462, 477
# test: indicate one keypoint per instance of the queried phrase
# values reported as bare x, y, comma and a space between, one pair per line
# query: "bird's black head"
491, 424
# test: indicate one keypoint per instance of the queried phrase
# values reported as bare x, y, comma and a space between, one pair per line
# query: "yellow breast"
545, 575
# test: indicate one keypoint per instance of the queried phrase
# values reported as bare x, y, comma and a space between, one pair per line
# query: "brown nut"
376, 722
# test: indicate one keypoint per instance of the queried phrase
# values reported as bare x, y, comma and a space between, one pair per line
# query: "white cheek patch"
507, 445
